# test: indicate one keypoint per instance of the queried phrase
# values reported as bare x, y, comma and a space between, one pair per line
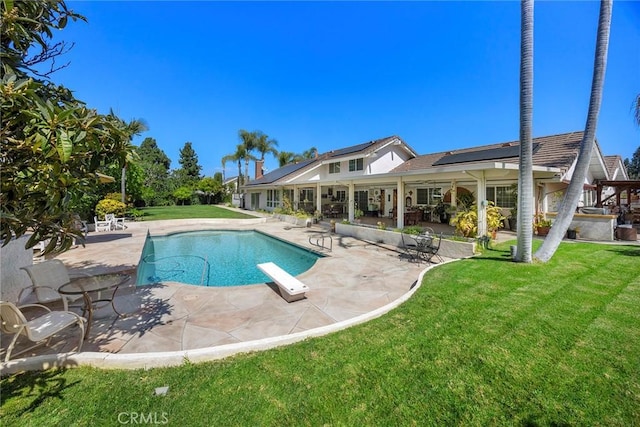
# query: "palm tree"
572, 195
238, 156
525, 168
249, 141
265, 145
128, 131
308, 154
286, 157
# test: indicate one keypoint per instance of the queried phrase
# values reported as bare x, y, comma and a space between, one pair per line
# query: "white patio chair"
102, 225
118, 223
46, 278
37, 330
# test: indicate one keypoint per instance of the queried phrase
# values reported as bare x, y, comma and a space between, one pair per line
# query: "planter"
572, 234
448, 248
542, 230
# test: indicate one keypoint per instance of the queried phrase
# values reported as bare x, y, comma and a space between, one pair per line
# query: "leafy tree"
525, 167
51, 143
155, 165
210, 189
182, 194
189, 172
633, 165
636, 109
572, 195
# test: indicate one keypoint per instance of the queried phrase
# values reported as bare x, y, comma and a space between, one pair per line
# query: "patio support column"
482, 204
352, 201
454, 193
296, 198
319, 197
481, 182
400, 204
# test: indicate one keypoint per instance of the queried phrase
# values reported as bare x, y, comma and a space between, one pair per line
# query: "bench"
291, 289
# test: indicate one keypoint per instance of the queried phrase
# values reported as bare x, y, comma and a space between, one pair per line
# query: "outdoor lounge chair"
46, 278
39, 329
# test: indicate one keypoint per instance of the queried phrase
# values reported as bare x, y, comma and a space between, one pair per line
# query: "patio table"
95, 285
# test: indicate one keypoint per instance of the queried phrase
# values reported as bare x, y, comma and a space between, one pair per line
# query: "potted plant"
358, 214
541, 224
572, 233
494, 219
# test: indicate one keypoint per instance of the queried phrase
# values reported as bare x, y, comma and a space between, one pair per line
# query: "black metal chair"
432, 249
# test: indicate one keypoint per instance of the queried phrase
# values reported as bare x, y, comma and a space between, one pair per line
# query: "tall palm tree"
265, 145
308, 154
286, 157
572, 195
128, 131
238, 156
525, 168
249, 141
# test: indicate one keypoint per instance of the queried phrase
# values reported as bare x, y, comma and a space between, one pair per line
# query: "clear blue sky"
441, 75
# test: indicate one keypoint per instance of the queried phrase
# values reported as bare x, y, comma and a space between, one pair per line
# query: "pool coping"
146, 360
176, 358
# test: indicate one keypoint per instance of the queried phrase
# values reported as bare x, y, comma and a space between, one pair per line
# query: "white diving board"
291, 289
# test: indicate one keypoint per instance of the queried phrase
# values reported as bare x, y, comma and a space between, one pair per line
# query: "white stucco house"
386, 177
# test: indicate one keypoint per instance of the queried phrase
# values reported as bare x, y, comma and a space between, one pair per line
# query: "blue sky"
441, 75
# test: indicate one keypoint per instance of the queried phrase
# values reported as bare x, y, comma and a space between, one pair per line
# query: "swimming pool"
218, 258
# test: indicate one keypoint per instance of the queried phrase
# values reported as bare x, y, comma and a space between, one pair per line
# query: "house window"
502, 196
356, 164
273, 198
341, 195
306, 195
362, 202
428, 196
334, 167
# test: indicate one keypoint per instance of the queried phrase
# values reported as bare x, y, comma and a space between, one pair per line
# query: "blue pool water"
218, 258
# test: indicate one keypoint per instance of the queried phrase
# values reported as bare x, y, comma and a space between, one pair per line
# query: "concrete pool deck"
165, 324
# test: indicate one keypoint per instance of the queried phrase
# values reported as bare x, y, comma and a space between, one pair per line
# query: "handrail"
321, 237
204, 268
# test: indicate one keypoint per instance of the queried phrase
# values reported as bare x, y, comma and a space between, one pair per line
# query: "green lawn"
483, 342
191, 211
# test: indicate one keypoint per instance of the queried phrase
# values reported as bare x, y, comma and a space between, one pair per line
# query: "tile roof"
558, 151
611, 163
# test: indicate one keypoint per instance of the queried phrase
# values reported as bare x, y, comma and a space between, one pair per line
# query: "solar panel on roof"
280, 172
488, 154
350, 150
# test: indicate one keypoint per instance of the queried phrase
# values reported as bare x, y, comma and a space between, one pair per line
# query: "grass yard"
483, 342
191, 211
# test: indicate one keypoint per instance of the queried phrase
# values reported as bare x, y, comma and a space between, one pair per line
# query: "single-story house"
386, 177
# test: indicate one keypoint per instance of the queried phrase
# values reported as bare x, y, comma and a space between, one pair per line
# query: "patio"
351, 284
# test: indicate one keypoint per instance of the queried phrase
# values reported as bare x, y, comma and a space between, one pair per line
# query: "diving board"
291, 289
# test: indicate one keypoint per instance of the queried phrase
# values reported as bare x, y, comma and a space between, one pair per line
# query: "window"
356, 164
306, 195
334, 167
341, 195
362, 200
428, 196
502, 196
273, 198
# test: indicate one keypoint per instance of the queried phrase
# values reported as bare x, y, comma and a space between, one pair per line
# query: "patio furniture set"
111, 222
51, 284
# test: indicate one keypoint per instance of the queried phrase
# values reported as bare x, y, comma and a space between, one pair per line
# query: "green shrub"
110, 206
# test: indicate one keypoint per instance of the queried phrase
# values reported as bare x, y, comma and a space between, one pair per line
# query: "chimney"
259, 165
